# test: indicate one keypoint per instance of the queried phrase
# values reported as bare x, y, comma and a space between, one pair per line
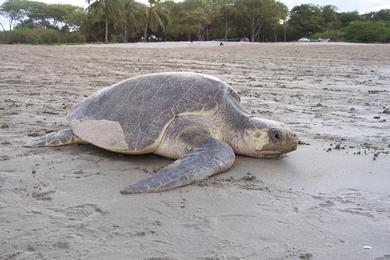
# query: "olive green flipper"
58, 138
208, 158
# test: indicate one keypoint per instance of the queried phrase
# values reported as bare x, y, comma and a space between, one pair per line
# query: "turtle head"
262, 138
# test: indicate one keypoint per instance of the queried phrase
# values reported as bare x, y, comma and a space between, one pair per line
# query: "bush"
115, 38
72, 37
333, 35
40, 36
368, 32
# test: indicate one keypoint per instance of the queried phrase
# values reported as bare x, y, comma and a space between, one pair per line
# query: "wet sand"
330, 199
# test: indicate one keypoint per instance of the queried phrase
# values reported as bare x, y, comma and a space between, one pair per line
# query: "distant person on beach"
221, 43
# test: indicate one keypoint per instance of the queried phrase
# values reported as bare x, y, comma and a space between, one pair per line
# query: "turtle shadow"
242, 165
260, 169
144, 162
283, 165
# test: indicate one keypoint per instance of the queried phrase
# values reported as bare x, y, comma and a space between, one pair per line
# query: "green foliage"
33, 14
106, 11
367, 31
333, 35
102, 10
40, 36
346, 17
116, 38
381, 15
225, 12
133, 20
128, 20
259, 14
156, 17
329, 14
190, 19
71, 17
305, 20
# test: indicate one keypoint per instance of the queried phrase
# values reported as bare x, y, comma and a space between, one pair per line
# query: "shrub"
333, 35
40, 36
115, 38
72, 37
368, 31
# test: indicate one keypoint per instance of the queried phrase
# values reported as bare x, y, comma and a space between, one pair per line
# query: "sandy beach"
330, 199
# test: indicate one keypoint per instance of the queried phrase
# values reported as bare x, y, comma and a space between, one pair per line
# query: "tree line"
189, 20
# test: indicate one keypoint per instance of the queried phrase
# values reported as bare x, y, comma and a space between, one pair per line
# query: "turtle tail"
58, 138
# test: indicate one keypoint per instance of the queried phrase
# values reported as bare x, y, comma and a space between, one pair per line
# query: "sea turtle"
195, 118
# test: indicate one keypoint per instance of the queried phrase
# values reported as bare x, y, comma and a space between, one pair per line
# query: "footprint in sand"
42, 191
82, 211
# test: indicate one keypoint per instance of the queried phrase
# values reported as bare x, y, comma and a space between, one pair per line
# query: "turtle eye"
276, 135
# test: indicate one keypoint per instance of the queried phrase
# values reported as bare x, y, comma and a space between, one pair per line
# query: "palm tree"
133, 17
226, 9
106, 10
155, 16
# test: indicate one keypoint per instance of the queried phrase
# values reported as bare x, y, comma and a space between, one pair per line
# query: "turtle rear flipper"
58, 138
208, 158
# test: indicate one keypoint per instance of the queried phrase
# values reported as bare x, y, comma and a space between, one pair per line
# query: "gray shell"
143, 107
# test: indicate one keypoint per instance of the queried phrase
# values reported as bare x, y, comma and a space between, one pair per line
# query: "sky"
363, 6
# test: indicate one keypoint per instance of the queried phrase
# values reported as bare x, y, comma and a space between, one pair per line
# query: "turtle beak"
294, 141
291, 142
286, 141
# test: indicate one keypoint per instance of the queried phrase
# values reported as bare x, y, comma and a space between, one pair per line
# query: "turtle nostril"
276, 135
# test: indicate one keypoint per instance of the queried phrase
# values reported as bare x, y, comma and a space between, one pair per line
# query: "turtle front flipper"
209, 157
58, 138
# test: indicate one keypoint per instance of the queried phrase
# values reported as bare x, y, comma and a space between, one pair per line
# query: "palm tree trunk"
253, 30
257, 33
125, 33
2, 26
147, 25
226, 27
275, 36
285, 34
207, 33
106, 32
146, 31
